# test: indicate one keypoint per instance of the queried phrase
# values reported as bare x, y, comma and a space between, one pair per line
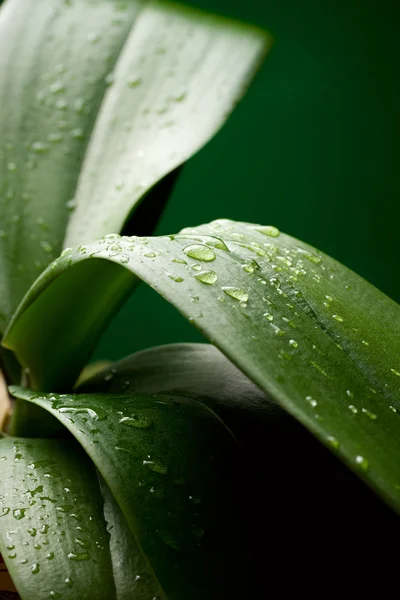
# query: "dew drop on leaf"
269, 230
79, 556
137, 421
236, 293
208, 277
156, 467
200, 252
362, 463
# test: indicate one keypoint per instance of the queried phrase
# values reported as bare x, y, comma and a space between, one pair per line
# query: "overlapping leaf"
173, 76
52, 530
309, 332
174, 470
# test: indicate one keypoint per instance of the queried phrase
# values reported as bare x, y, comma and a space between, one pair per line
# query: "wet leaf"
53, 534
174, 470
146, 83
310, 333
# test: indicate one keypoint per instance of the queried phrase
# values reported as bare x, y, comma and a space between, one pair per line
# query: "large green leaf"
53, 534
201, 372
173, 77
54, 58
174, 469
309, 332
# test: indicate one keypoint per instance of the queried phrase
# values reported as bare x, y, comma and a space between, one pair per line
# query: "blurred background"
313, 149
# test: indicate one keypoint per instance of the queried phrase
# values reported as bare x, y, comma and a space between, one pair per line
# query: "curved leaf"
54, 58
54, 74
53, 535
132, 575
182, 465
312, 334
180, 75
201, 372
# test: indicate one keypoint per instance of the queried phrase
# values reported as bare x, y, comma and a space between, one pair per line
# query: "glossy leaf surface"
52, 530
153, 80
313, 335
173, 467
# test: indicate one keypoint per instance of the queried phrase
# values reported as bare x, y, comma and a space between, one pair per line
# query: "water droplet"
137, 421
277, 330
208, 277
96, 415
177, 260
369, 414
32, 531
395, 372
393, 408
180, 95
312, 401
332, 441
57, 87
268, 316
82, 543
176, 278
19, 513
150, 255
353, 409
79, 556
50, 555
12, 555
71, 204
134, 81
362, 463
62, 104
78, 134
200, 252
109, 79
93, 38
55, 137
313, 258
39, 147
268, 230
293, 343
338, 318
156, 467
248, 268
35, 568
46, 246
236, 293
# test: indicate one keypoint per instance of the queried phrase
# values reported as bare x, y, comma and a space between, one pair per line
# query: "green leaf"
181, 73
52, 84
201, 372
173, 76
174, 469
309, 332
53, 535
132, 576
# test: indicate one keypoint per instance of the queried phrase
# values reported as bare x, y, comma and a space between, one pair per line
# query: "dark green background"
313, 149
